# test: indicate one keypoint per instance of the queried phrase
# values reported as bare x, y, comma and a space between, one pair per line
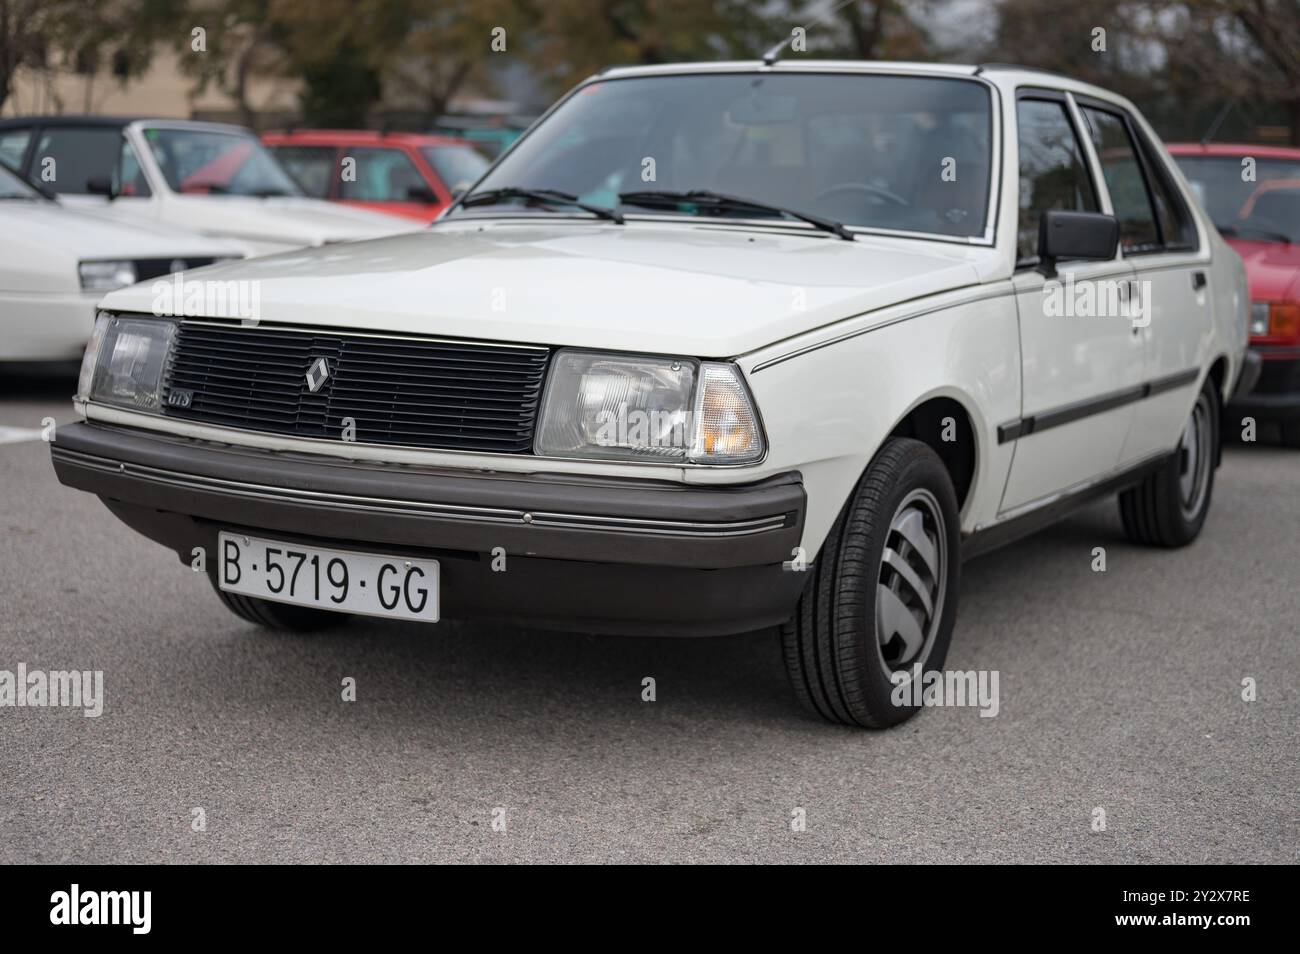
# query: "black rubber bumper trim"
541, 515
1068, 413
1252, 364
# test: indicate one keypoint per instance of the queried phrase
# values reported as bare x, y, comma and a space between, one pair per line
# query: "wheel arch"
927, 420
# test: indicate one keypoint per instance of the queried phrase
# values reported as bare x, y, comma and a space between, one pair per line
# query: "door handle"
1198, 281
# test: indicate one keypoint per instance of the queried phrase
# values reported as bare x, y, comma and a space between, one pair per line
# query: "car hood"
86, 235
665, 288
1273, 269
289, 220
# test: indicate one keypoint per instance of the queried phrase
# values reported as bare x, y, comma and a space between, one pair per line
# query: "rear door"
1080, 360
314, 168
387, 180
1159, 238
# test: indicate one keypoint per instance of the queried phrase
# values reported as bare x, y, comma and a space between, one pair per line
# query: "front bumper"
594, 554
1274, 392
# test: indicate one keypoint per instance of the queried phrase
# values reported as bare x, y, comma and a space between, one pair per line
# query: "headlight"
622, 407
1259, 317
125, 360
106, 276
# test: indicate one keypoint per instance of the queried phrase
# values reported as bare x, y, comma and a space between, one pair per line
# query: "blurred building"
165, 90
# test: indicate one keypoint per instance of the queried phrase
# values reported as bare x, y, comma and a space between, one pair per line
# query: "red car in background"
407, 174
1252, 194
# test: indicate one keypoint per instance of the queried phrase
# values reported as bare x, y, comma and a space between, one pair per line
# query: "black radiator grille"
412, 391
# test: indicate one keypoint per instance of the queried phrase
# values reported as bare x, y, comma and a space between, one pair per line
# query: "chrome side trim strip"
988, 296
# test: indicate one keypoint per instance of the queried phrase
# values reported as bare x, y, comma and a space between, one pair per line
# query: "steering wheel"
875, 192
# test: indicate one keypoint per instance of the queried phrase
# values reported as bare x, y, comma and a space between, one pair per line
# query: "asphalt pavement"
218, 742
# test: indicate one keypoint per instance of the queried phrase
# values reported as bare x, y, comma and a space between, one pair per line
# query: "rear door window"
1125, 180
79, 154
383, 175
312, 167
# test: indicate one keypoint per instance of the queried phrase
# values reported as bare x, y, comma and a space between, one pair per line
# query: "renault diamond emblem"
316, 374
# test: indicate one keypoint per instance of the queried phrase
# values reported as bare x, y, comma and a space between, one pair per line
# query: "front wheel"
1168, 508
879, 608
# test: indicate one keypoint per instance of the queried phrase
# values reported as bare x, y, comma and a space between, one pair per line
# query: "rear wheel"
1169, 507
1291, 433
282, 616
879, 608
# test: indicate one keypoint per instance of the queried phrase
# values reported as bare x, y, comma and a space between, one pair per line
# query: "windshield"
458, 166
12, 187
1266, 209
204, 162
885, 152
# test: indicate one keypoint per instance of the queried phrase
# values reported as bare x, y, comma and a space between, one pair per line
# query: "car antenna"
1218, 120
774, 54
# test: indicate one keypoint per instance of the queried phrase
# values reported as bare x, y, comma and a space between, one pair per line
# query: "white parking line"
16, 435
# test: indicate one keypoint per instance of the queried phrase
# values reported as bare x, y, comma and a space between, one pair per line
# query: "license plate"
368, 584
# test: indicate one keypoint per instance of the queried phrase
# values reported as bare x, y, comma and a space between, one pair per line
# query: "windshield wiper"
660, 197
1234, 230
545, 196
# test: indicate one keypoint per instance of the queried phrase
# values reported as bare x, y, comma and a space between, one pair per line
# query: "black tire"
1291, 433
1161, 511
834, 656
281, 616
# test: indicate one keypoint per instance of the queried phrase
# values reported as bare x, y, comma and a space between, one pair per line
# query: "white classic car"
210, 178
712, 348
57, 263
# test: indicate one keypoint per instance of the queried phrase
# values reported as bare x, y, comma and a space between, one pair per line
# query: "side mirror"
421, 193
101, 185
1062, 235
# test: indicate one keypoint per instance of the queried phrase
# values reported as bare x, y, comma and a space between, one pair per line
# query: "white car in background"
57, 263
210, 178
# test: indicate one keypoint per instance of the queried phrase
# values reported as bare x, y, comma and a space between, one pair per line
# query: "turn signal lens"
726, 426
1284, 320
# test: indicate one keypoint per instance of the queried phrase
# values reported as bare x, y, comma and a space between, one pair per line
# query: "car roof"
1005, 75
789, 66
1232, 149
363, 136
116, 122
60, 119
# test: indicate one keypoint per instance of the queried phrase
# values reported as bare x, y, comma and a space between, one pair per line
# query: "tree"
1181, 61
92, 34
22, 39
452, 42
871, 30
1250, 47
340, 49
239, 43
579, 37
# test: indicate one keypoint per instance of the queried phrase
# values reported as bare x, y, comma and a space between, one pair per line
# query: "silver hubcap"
1194, 459
912, 580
